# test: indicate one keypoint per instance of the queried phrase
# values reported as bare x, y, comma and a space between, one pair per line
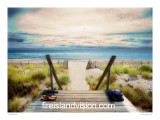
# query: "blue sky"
52, 27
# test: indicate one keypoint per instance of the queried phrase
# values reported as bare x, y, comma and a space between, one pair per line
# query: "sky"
54, 27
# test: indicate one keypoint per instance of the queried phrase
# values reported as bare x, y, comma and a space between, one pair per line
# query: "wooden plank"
77, 92
97, 109
81, 96
81, 99
70, 110
81, 92
54, 72
70, 102
71, 94
88, 98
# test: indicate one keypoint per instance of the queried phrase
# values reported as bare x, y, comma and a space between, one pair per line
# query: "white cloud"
82, 26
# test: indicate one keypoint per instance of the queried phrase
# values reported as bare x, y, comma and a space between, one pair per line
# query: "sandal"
44, 98
48, 97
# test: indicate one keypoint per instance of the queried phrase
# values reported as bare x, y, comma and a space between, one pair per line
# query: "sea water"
82, 52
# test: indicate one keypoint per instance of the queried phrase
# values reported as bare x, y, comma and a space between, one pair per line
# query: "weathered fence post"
53, 71
105, 71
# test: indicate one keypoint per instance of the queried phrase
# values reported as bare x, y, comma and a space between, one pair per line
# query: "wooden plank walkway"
88, 97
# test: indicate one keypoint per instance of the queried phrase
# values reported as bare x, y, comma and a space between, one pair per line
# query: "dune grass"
138, 96
63, 79
13, 104
145, 68
125, 69
146, 71
92, 82
29, 66
38, 75
146, 75
34, 93
25, 80
22, 84
132, 72
117, 69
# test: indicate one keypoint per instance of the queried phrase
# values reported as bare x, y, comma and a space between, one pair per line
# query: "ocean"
141, 50
82, 52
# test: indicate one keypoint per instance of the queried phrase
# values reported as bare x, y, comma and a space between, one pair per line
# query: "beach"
74, 67
124, 73
95, 63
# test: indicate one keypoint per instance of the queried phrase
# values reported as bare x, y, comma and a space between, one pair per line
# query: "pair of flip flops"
48, 97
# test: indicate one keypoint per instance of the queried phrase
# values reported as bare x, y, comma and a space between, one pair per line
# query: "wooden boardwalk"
88, 97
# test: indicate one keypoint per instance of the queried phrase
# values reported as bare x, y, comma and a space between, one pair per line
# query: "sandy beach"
78, 72
95, 63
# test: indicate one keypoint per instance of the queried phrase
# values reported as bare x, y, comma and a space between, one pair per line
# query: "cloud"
81, 26
15, 40
13, 11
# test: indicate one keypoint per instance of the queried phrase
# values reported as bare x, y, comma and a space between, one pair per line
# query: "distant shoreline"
35, 59
97, 63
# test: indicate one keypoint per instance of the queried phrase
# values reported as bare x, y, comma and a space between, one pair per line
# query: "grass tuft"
145, 68
115, 86
63, 79
13, 105
40, 75
138, 97
112, 78
125, 69
91, 81
34, 93
147, 75
117, 69
59, 68
29, 66
132, 72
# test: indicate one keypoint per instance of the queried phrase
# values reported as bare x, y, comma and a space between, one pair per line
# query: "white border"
75, 3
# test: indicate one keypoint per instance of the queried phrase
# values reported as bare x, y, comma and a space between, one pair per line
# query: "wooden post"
105, 71
53, 71
51, 78
108, 79
67, 64
88, 65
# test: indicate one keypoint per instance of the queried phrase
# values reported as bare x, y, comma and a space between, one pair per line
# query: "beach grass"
63, 79
145, 68
117, 69
146, 75
92, 82
25, 80
29, 66
34, 93
125, 69
133, 71
38, 75
13, 104
48, 83
138, 96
